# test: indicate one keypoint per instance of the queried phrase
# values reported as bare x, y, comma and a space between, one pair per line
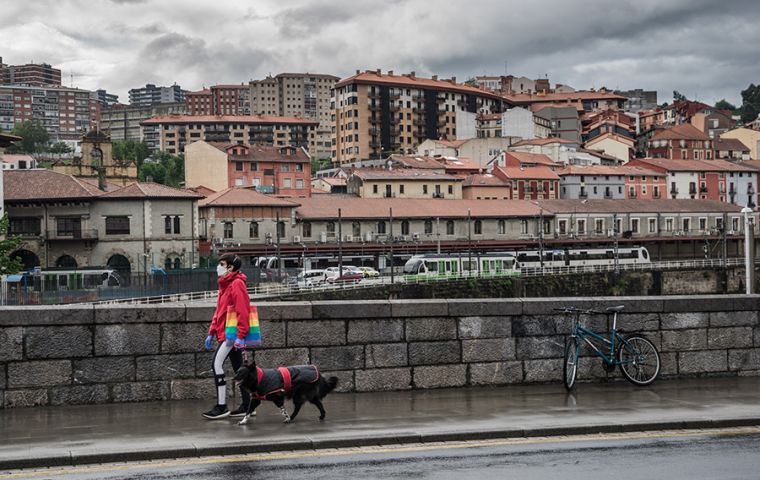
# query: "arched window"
478, 227
381, 227
66, 261
177, 263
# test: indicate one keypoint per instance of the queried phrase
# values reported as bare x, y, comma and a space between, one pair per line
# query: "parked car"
369, 272
307, 279
350, 274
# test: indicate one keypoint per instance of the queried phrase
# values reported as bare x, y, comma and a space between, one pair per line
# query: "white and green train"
432, 265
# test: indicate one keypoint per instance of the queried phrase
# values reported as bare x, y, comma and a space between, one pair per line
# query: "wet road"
714, 454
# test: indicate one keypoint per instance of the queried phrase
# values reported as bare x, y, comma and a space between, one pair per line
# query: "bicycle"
635, 355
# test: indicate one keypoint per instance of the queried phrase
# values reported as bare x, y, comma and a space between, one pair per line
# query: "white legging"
236, 357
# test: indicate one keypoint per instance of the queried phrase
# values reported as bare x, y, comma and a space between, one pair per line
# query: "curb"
190, 451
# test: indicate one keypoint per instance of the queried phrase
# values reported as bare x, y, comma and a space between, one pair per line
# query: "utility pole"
541, 237
340, 245
469, 243
390, 214
279, 260
438, 232
749, 263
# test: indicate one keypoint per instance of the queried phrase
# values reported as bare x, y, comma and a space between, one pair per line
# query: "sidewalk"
47, 436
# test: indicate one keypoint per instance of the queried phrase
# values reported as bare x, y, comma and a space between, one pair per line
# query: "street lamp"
615, 237
469, 243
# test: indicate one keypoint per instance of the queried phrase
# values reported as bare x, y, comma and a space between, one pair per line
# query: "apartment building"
151, 94
122, 122
307, 95
532, 183
681, 142
583, 100
563, 120
170, 133
610, 182
64, 112
706, 180
638, 99
486, 186
514, 122
282, 170
404, 183
713, 122
104, 97
749, 137
31, 74
219, 100
380, 113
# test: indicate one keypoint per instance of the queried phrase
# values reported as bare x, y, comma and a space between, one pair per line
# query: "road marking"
336, 452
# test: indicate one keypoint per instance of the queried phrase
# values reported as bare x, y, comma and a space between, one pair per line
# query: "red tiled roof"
525, 157
326, 207
484, 180
264, 153
685, 131
243, 197
614, 136
15, 157
450, 143
402, 173
334, 181
537, 107
543, 141
417, 161
40, 184
149, 190
247, 119
489, 116
724, 144
6, 139
371, 77
540, 172
693, 165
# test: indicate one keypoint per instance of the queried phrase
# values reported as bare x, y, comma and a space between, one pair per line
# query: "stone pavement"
47, 436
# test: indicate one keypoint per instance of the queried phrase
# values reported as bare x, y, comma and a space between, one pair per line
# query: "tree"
750, 103
34, 137
165, 169
678, 96
8, 245
130, 150
725, 105
59, 147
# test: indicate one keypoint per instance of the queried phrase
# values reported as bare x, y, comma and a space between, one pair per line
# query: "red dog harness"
270, 385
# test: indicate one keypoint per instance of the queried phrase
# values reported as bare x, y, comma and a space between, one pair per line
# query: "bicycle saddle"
616, 309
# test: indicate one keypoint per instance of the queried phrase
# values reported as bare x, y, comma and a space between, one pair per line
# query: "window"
381, 227
404, 227
401, 188
254, 166
703, 224
228, 229
450, 227
478, 227
562, 227
176, 225
284, 167
253, 230
652, 225
330, 229
668, 224
356, 229
599, 226
299, 167
686, 224
451, 189
523, 227
374, 188
428, 227
424, 189
735, 224
69, 227
238, 166
306, 229
117, 225
167, 224
287, 183
501, 227
171, 224
299, 182
581, 226
281, 229
635, 225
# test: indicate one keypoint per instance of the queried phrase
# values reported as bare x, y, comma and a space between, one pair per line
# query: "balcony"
437, 194
418, 134
632, 194
674, 191
375, 144
374, 107
583, 194
418, 97
608, 195
702, 189
656, 195
84, 234
692, 190
418, 110
731, 190
265, 188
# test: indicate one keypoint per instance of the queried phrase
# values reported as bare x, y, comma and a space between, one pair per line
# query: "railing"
275, 290
84, 234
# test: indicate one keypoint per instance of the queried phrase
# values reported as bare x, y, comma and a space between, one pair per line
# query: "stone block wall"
80, 355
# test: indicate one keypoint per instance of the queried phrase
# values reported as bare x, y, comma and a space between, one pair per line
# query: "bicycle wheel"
639, 360
572, 352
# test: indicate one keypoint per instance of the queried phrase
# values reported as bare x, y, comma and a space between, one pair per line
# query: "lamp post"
469, 242
541, 238
749, 264
615, 237
277, 246
340, 244
438, 232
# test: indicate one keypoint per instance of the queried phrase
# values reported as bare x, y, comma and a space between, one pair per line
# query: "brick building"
682, 142
219, 100
31, 74
532, 183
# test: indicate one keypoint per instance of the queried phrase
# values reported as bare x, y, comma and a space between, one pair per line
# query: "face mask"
220, 271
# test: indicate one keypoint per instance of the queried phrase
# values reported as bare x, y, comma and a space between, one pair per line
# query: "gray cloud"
703, 48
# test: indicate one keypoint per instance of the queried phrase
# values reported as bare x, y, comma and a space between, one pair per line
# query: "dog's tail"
327, 385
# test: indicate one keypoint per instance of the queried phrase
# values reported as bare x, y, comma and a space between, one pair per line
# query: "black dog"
302, 383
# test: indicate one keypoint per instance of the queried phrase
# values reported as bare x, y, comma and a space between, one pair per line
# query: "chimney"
358, 72
435, 77
453, 79
411, 74
378, 72
390, 72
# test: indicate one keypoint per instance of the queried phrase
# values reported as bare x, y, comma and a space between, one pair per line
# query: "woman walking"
229, 327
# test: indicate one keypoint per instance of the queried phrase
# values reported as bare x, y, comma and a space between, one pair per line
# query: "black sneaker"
241, 411
219, 411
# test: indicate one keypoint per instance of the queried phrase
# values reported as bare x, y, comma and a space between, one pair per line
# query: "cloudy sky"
707, 49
